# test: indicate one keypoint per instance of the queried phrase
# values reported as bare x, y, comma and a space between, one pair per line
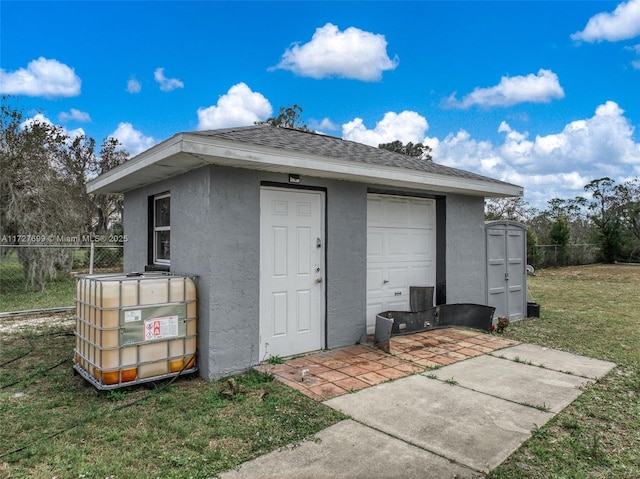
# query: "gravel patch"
20, 324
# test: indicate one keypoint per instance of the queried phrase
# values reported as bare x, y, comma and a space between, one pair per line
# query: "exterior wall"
346, 264
234, 249
215, 234
234, 315
465, 252
189, 206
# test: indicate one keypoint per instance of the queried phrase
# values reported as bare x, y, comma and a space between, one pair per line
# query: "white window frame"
157, 229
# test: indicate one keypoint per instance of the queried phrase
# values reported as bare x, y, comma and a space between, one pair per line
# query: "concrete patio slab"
518, 382
468, 427
557, 360
350, 450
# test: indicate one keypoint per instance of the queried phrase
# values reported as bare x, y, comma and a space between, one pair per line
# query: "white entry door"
401, 250
291, 272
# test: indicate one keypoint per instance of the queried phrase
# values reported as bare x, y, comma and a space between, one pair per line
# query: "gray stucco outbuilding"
298, 239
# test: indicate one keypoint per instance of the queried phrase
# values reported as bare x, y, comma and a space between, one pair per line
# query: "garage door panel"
399, 304
422, 213
420, 245
398, 277
375, 245
375, 211
375, 307
398, 245
396, 212
404, 245
418, 274
375, 278
400, 251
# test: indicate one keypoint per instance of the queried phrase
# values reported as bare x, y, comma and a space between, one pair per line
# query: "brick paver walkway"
336, 372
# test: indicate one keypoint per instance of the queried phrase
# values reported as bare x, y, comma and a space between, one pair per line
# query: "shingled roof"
280, 149
290, 139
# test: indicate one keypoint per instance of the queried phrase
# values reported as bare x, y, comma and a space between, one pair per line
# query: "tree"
289, 117
516, 209
417, 150
606, 207
574, 211
75, 161
39, 187
604, 197
633, 210
107, 209
43, 191
533, 255
559, 235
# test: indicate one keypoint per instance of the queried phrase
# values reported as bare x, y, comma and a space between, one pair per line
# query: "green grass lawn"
593, 311
193, 429
58, 292
14, 296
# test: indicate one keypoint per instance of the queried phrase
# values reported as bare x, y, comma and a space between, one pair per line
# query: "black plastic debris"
393, 323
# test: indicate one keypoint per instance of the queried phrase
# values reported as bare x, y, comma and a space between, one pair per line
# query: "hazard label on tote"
161, 328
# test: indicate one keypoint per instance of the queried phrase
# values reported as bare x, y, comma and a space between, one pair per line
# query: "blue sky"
541, 94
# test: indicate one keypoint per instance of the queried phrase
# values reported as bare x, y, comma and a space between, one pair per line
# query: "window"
162, 229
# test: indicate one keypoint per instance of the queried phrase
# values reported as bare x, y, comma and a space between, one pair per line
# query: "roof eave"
108, 182
191, 151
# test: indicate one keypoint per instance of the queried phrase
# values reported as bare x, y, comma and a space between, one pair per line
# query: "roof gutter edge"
153, 155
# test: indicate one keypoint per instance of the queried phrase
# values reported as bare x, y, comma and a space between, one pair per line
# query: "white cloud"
407, 126
604, 142
134, 86
134, 141
555, 165
74, 115
353, 54
166, 84
42, 77
622, 24
322, 125
40, 118
459, 150
635, 48
238, 107
539, 88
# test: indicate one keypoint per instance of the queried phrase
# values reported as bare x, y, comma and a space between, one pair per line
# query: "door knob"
385, 281
318, 280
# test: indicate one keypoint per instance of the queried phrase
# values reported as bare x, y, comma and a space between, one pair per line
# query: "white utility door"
291, 272
401, 251
506, 270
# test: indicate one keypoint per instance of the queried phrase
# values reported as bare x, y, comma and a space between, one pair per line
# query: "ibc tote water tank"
134, 328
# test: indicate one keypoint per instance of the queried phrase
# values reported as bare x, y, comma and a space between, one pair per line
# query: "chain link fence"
26, 285
19, 291
549, 256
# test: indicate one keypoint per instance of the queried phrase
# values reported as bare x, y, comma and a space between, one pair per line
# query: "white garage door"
401, 248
